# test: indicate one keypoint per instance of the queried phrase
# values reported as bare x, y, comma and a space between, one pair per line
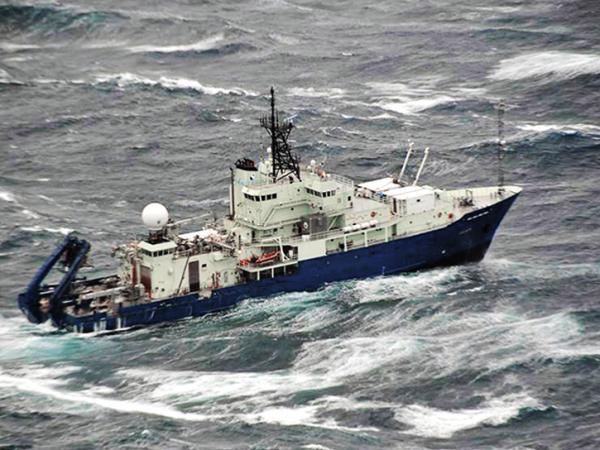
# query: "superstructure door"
194, 276
146, 279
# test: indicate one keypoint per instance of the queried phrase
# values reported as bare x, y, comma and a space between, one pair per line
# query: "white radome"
155, 216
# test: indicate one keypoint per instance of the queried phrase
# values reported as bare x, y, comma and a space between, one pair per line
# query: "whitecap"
46, 386
312, 92
45, 197
552, 65
8, 197
306, 416
339, 358
205, 386
283, 39
321, 364
397, 90
427, 421
10, 47
413, 107
202, 45
53, 81
561, 128
408, 285
30, 214
283, 3
500, 9
129, 79
39, 229
383, 116
336, 131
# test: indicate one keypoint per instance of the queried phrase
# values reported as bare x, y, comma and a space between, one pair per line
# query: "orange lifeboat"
267, 257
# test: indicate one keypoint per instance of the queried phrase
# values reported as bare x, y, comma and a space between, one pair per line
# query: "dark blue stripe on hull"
466, 240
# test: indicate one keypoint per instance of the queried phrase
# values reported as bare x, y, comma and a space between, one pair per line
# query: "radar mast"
284, 162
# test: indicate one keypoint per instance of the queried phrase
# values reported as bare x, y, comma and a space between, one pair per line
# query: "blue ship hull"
466, 240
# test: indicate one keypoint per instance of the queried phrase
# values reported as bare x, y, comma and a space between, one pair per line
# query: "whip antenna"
501, 144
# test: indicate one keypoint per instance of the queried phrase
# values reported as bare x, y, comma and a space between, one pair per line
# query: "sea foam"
415, 106
438, 423
551, 65
7, 197
202, 45
312, 92
46, 386
561, 128
170, 83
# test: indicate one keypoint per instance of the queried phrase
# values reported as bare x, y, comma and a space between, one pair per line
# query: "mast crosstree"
285, 163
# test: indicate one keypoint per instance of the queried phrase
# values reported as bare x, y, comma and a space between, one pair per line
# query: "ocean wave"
247, 397
340, 132
200, 46
321, 364
8, 197
47, 386
30, 214
410, 285
312, 92
561, 128
551, 66
305, 415
535, 271
400, 90
492, 342
42, 19
171, 84
438, 423
6, 78
341, 358
415, 106
38, 229
383, 116
285, 4
10, 47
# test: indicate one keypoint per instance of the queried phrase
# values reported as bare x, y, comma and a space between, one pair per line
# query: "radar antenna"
284, 161
501, 144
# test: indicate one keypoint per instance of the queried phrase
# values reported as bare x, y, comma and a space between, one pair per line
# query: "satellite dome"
155, 216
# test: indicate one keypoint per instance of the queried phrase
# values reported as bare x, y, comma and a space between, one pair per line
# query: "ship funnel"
155, 216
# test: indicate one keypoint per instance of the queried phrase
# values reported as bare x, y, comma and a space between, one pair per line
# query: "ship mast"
285, 163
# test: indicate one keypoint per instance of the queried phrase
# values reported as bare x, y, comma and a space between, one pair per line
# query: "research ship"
290, 227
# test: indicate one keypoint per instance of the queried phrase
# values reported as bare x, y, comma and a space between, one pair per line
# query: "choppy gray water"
107, 106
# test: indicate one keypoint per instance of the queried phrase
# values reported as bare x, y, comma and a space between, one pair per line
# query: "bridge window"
320, 194
259, 198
